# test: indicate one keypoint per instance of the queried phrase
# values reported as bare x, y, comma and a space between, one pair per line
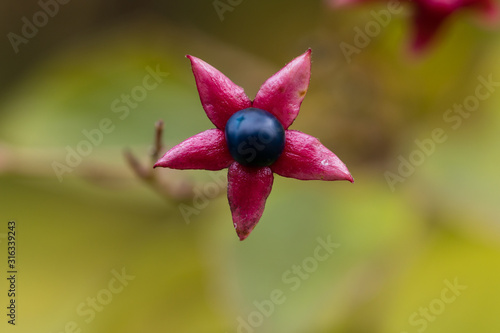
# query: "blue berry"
255, 137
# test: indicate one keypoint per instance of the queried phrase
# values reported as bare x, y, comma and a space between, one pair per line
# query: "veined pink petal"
306, 158
220, 97
247, 191
283, 92
206, 150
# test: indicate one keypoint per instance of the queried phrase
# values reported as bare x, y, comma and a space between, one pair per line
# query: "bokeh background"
398, 249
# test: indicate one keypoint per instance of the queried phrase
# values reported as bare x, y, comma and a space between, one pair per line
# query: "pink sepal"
219, 96
206, 150
306, 158
283, 93
247, 191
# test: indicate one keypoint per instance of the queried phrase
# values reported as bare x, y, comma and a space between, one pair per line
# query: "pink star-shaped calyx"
303, 156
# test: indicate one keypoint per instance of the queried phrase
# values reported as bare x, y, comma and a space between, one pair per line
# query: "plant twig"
167, 187
158, 146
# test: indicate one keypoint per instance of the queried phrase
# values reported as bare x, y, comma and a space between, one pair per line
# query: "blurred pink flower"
277, 103
429, 15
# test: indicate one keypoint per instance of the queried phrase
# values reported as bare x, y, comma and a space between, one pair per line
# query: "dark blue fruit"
255, 137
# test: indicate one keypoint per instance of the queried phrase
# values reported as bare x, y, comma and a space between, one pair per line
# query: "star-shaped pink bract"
429, 15
303, 156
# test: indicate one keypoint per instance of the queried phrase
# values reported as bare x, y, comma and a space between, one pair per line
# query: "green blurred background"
400, 249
